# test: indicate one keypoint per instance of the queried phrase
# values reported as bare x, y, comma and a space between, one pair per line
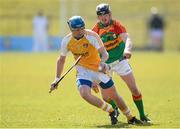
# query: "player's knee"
85, 95
114, 96
106, 98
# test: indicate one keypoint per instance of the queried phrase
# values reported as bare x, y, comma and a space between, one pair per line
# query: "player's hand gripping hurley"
54, 85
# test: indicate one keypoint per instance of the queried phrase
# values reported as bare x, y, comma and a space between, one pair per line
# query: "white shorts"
87, 74
122, 68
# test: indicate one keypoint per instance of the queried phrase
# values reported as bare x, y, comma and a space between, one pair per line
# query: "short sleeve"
63, 48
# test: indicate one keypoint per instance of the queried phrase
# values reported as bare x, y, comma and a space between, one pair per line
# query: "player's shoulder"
116, 22
91, 33
67, 38
96, 27
93, 37
97, 24
119, 27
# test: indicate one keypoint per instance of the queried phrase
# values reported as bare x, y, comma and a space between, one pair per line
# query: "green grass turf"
25, 102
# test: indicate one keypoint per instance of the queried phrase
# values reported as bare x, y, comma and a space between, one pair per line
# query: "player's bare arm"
59, 70
60, 65
104, 56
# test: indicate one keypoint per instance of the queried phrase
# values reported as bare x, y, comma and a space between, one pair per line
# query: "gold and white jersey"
87, 47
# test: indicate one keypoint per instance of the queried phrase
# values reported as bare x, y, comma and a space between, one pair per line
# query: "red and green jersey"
111, 39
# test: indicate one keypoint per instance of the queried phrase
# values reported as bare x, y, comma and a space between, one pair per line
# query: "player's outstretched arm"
59, 70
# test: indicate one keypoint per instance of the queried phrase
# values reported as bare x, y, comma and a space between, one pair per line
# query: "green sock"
139, 105
113, 104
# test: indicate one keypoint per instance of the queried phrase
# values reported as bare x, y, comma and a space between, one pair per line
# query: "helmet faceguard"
76, 22
102, 9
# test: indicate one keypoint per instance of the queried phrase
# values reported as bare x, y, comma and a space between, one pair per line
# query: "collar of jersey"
101, 25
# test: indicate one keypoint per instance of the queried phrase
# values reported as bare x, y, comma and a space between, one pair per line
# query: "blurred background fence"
16, 16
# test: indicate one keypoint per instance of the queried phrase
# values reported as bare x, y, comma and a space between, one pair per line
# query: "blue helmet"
102, 9
76, 22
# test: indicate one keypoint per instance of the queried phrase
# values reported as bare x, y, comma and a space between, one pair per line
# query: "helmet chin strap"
77, 37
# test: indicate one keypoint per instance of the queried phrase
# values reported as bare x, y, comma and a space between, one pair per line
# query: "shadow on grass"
118, 125
123, 125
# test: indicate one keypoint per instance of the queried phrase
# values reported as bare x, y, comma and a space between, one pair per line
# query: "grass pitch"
25, 102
